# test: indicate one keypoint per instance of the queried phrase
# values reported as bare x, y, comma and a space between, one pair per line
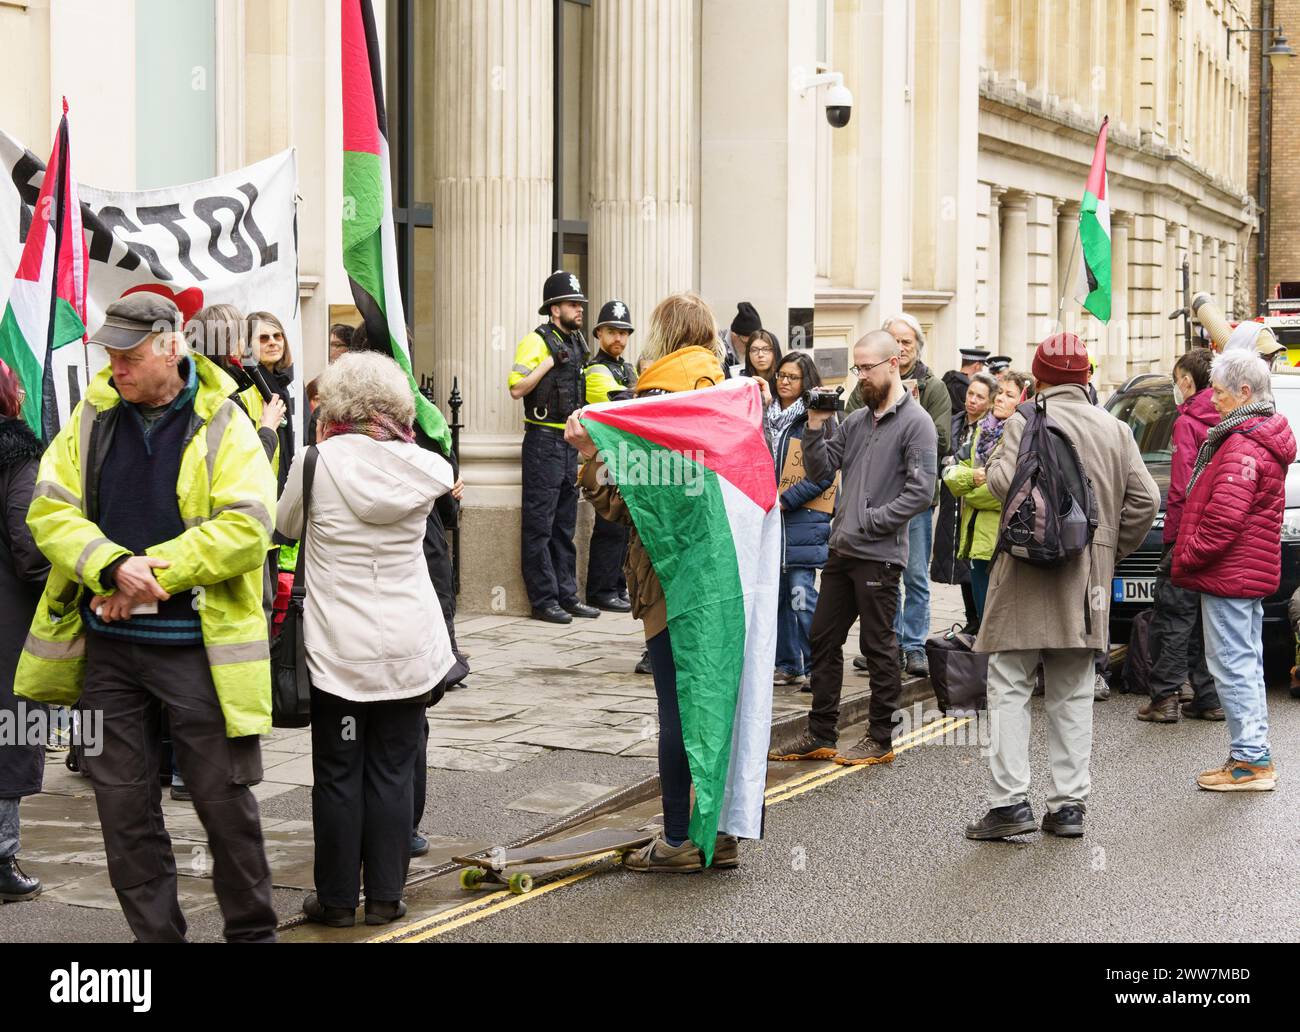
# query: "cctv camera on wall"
838, 100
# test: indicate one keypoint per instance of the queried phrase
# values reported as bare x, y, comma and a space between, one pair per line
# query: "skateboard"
520, 869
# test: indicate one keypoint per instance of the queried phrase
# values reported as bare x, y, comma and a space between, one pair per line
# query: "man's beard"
569, 325
872, 395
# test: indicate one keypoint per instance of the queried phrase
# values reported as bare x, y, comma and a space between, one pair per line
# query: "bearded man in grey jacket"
886, 453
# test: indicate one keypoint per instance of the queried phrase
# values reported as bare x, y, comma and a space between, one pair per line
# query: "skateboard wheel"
521, 883
471, 878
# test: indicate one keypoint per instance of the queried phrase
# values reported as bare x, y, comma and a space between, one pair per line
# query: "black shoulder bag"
290, 678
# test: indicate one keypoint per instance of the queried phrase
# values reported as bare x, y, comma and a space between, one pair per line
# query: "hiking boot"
1163, 710
1100, 689
1211, 713
335, 917
1185, 692
866, 752
916, 664
1066, 822
808, 747
726, 851
782, 677
382, 912
660, 857
643, 664
1240, 776
1003, 822
14, 885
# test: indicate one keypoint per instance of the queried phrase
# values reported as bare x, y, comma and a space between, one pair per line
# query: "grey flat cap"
132, 319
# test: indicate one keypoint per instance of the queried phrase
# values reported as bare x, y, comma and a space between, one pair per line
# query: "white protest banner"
231, 239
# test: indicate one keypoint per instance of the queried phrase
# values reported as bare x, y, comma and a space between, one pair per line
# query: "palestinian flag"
1094, 233
369, 246
47, 301
695, 471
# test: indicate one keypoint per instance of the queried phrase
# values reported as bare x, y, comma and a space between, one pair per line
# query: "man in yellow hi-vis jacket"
153, 505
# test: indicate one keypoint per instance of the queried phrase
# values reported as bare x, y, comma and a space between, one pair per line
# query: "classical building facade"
652, 146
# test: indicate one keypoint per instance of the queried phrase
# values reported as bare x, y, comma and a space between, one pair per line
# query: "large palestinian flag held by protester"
369, 244
695, 471
1094, 233
47, 301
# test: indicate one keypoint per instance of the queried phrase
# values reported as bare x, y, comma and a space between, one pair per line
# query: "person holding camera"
912, 619
547, 378
805, 514
886, 453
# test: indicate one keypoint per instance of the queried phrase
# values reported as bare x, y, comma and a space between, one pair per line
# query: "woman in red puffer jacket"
1229, 548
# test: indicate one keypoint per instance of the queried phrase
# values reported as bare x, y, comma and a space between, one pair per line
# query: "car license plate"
1133, 589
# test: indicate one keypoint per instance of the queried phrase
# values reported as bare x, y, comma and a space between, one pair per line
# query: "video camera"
823, 399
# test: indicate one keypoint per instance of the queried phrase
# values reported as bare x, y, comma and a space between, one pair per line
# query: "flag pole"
1065, 279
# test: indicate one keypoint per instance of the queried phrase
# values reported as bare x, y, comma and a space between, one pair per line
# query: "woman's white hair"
362, 384
1232, 369
910, 321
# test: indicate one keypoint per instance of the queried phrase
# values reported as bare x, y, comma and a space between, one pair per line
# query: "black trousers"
131, 684
549, 518
1178, 645
605, 560
853, 589
363, 756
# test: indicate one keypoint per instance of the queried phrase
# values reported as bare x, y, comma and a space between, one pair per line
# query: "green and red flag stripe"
696, 473
47, 300
1094, 233
369, 244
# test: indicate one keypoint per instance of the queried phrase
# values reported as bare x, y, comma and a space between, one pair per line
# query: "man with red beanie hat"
1058, 615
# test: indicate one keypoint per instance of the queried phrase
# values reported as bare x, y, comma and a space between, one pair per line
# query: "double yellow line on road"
485, 906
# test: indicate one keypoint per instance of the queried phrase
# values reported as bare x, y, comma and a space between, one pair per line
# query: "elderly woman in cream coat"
375, 639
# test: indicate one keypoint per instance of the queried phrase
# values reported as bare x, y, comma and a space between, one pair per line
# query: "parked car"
1146, 404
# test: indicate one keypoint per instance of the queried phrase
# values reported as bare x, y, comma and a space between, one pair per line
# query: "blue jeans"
674, 767
794, 616
912, 621
1234, 651
979, 584
9, 838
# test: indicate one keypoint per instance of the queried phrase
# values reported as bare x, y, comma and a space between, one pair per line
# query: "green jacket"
226, 493
977, 533
934, 399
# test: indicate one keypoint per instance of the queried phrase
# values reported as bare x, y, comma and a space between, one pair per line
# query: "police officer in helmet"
547, 378
609, 377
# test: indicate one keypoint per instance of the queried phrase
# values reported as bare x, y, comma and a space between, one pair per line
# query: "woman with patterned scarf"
805, 530
372, 666
977, 531
1229, 548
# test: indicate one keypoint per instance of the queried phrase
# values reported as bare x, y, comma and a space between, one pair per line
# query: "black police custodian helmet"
614, 313
560, 286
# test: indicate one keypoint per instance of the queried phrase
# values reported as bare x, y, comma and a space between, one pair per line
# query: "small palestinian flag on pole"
369, 244
697, 476
1094, 233
47, 301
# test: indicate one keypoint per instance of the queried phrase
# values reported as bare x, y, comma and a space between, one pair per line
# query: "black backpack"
1050, 512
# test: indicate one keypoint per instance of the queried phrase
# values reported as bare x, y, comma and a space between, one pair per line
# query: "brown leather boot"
1160, 711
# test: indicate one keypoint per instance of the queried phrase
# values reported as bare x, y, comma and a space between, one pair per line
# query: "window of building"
573, 42
175, 75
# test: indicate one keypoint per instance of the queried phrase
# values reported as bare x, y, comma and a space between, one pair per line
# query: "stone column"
492, 181
643, 155
1116, 364
993, 286
1013, 301
1172, 345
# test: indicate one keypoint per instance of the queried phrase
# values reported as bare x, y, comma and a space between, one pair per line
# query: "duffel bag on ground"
958, 674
